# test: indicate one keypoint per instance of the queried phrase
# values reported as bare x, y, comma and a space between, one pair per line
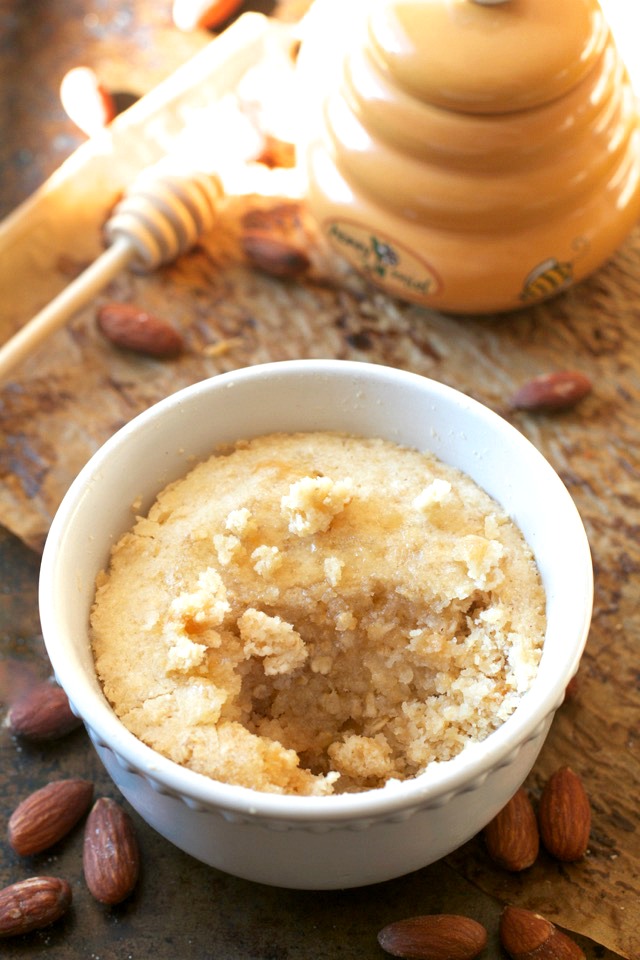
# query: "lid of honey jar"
475, 56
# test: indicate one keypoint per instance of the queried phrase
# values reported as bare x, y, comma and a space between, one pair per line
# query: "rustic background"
74, 393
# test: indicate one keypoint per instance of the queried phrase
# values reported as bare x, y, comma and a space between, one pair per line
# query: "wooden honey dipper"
160, 217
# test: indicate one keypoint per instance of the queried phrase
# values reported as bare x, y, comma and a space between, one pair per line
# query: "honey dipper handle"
56, 314
159, 218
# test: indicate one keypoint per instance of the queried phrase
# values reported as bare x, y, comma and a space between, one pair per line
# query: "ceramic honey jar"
473, 157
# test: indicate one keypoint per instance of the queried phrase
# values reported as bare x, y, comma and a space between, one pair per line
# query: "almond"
274, 255
32, 904
277, 153
572, 689
552, 391
512, 837
131, 328
437, 936
528, 936
42, 713
279, 217
564, 816
86, 101
111, 859
47, 815
193, 14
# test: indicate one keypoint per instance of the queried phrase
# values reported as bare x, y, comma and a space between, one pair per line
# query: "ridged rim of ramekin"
437, 785
320, 822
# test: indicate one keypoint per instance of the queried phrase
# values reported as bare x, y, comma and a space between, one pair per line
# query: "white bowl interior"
364, 399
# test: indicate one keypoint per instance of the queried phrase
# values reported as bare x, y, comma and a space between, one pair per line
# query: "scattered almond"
32, 904
48, 814
552, 391
528, 936
280, 216
111, 859
438, 936
131, 328
86, 101
512, 837
572, 689
277, 153
42, 713
193, 14
274, 255
564, 816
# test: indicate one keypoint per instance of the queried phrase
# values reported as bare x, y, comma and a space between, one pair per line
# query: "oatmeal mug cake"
318, 613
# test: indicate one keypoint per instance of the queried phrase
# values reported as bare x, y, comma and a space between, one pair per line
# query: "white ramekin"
344, 840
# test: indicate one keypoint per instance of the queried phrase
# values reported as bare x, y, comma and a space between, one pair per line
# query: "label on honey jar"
383, 260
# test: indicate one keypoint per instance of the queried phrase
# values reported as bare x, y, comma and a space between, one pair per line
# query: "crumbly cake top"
318, 613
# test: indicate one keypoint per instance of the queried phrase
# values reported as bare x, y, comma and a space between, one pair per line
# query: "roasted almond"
111, 858
512, 837
564, 816
86, 101
552, 391
436, 936
279, 218
277, 153
528, 936
42, 713
32, 904
572, 689
47, 815
194, 14
131, 328
274, 255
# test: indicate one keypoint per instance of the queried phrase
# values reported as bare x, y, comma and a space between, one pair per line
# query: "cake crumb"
266, 560
207, 604
362, 758
275, 641
313, 502
436, 493
227, 547
333, 570
240, 522
184, 654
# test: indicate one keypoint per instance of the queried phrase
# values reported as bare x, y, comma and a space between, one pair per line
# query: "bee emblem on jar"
547, 279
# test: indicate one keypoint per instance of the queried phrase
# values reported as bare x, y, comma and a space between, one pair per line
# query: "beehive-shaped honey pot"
471, 156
